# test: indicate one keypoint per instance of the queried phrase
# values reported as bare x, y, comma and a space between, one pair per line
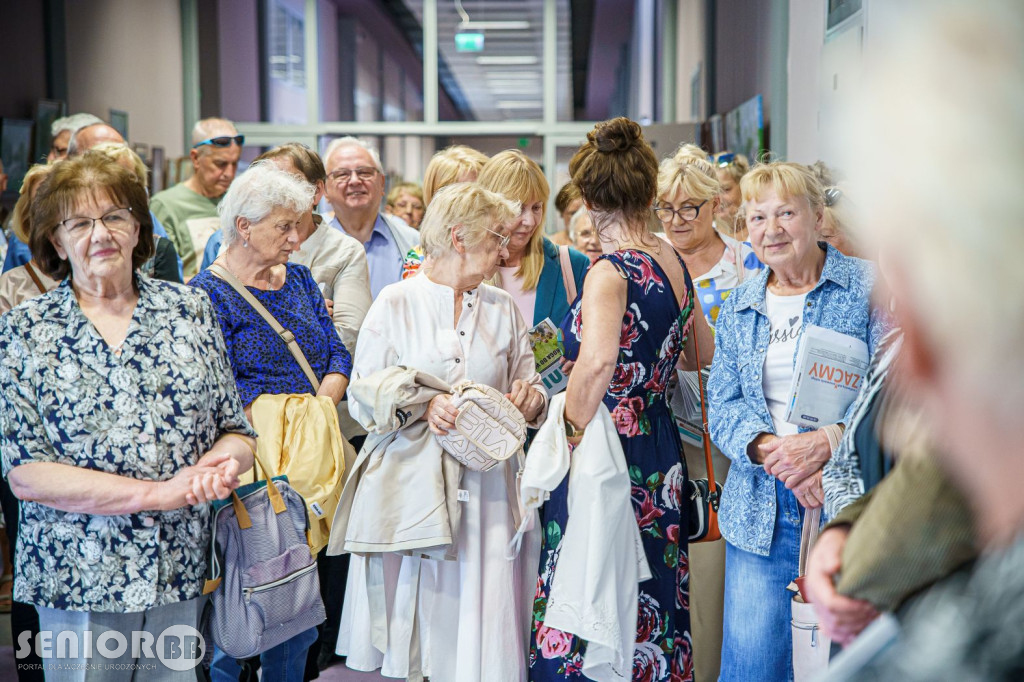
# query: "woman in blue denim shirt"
776, 466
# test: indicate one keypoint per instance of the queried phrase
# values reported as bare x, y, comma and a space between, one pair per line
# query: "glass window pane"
370, 64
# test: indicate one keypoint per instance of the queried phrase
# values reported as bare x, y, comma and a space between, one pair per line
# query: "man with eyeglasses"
189, 209
90, 132
355, 188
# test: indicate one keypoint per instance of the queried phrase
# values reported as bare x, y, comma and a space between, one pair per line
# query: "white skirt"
453, 621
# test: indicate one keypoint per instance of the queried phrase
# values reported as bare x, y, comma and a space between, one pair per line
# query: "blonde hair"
789, 180
119, 151
737, 167
518, 177
448, 165
469, 208
689, 170
21, 215
410, 188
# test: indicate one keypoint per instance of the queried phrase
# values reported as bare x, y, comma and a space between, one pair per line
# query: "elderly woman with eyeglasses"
261, 214
689, 197
448, 323
119, 420
776, 465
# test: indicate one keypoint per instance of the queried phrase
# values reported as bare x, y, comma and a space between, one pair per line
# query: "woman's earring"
245, 244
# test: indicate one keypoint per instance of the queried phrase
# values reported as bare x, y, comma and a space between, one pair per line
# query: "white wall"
690, 49
125, 54
806, 40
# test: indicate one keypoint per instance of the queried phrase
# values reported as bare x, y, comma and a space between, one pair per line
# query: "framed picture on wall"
16, 151
156, 180
119, 122
838, 11
47, 111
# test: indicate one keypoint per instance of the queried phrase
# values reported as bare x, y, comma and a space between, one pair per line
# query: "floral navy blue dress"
654, 332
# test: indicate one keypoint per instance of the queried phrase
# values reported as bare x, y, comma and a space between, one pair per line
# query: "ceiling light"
510, 60
494, 25
512, 75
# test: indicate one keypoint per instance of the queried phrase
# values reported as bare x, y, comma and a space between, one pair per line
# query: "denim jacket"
737, 410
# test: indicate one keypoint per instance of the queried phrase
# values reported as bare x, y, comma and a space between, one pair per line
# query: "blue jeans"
286, 662
757, 643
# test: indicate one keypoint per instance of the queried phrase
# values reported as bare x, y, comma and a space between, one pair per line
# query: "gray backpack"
261, 573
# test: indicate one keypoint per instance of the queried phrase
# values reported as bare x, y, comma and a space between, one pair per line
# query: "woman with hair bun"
627, 333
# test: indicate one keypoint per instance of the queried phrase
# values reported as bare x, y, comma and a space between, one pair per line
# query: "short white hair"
948, 223
257, 192
580, 213
72, 123
349, 141
212, 127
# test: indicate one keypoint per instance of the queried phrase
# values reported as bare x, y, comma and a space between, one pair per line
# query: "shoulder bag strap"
285, 334
678, 282
568, 279
705, 436
808, 536
35, 278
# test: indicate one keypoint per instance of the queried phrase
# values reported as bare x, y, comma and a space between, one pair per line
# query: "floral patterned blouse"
67, 397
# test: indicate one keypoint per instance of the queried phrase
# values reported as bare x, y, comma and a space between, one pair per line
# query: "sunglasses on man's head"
722, 160
223, 141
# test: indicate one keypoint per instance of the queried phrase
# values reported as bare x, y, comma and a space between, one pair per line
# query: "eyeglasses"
119, 220
343, 175
406, 205
722, 160
223, 141
685, 213
503, 239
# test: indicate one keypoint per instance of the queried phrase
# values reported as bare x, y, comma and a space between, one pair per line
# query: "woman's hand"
200, 483
809, 492
793, 458
567, 366
441, 414
842, 618
526, 398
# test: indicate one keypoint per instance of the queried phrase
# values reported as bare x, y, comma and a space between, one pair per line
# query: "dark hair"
305, 160
70, 181
616, 170
566, 195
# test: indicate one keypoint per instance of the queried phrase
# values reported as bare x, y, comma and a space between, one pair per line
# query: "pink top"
525, 300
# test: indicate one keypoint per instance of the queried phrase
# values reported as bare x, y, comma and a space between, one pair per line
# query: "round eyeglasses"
685, 213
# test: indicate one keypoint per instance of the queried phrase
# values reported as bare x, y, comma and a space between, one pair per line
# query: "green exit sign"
469, 42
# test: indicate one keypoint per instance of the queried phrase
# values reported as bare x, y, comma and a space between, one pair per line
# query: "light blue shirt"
383, 257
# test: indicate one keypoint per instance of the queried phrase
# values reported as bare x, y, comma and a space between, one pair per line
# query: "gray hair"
349, 141
72, 123
580, 213
976, 328
469, 207
257, 192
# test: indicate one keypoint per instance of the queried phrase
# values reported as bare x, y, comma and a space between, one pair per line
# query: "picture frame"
16, 151
119, 122
47, 111
158, 173
142, 149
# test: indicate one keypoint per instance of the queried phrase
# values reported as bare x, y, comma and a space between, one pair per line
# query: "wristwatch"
571, 430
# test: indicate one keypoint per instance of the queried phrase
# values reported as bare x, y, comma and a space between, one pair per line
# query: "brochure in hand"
830, 369
548, 353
